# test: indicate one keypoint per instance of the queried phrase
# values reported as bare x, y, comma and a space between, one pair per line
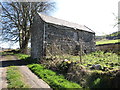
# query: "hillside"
115, 35
112, 36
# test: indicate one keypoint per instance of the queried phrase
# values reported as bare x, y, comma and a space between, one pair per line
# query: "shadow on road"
13, 63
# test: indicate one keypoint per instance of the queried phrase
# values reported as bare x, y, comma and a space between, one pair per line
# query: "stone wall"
109, 47
68, 39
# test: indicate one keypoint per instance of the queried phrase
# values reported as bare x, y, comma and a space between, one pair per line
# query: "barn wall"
88, 41
37, 38
59, 37
68, 40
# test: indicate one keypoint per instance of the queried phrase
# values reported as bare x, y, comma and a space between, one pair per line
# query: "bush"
54, 80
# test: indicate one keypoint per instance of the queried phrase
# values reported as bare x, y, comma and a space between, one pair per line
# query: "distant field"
107, 41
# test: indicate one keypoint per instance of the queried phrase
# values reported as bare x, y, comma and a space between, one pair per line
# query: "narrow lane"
30, 78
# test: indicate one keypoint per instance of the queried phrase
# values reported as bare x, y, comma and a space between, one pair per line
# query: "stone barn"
50, 36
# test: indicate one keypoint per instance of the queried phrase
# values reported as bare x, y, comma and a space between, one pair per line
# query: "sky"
95, 14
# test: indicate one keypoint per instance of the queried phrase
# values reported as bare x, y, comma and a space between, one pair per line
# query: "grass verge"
54, 80
107, 41
22, 56
15, 78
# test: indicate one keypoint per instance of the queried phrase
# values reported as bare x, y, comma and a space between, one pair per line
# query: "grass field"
107, 41
109, 59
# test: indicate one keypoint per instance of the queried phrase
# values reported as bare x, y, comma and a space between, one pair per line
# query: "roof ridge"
54, 20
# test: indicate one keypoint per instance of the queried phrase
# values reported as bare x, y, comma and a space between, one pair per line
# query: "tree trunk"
24, 40
24, 49
24, 46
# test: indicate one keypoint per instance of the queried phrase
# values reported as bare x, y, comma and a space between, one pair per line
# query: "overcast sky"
96, 14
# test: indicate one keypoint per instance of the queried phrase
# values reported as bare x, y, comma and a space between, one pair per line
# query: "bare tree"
117, 19
17, 18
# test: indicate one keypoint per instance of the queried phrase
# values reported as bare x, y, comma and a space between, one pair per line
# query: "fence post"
80, 52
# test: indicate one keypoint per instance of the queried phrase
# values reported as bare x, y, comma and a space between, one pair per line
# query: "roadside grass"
5, 53
107, 41
54, 80
22, 56
14, 52
15, 78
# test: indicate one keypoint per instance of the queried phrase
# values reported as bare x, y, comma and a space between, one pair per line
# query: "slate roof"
57, 21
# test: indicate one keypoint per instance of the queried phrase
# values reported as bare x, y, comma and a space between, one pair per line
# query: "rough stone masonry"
50, 35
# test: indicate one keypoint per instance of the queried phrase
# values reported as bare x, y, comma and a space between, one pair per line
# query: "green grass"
54, 80
105, 59
22, 56
11, 52
107, 41
26, 58
15, 78
109, 59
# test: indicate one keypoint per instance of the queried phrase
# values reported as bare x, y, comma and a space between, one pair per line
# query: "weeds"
99, 79
109, 60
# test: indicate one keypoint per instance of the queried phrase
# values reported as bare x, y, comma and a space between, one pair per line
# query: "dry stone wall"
115, 47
